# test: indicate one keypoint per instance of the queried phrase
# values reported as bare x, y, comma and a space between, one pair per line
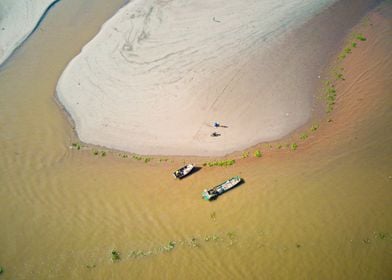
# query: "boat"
216, 191
183, 171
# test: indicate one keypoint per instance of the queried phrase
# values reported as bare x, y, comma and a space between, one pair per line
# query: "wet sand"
319, 212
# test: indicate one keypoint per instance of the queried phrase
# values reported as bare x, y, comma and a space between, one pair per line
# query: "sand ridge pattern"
160, 72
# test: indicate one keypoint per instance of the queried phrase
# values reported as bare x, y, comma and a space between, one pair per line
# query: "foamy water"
158, 74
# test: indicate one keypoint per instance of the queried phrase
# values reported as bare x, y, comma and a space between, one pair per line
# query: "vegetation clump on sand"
258, 153
123, 155
102, 153
314, 127
303, 136
383, 236
330, 95
115, 255
76, 146
91, 266
330, 91
293, 146
360, 37
1, 270
145, 159
225, 163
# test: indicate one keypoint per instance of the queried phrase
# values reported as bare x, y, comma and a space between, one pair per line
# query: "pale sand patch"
158, 74
18, 18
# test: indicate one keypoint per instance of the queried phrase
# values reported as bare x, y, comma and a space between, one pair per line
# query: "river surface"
320, 212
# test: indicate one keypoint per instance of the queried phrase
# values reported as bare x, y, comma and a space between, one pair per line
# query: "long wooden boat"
216, 191
183, 171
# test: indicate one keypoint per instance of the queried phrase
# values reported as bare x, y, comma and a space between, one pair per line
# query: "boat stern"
205, 195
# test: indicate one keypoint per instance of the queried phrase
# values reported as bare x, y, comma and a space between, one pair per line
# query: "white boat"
183, 171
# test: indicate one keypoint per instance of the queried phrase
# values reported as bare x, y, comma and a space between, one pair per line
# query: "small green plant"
339, 76
137, 157
279, 146
76, 145
293, 146
258, 153
139, 253
342, 56
146, 160
231, 235
360, 37
314, 127
366, 241
194, 243
103, 153
382, 235
221, 163
95, 152
298, 245
91, 266
330, 96
204, 164
1, 270
347, 50
245, 154
115, 255
303, 136
353, 44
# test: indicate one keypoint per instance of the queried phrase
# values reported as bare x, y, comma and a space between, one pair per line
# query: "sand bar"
159, 74
17, 20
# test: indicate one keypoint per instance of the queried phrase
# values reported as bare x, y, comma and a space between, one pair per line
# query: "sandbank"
18, 19
158, 75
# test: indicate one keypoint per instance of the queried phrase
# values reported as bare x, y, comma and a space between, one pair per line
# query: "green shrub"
103, 153
245, 154
221, 163
293, 146
115, 255
95, 152
354, 45
1, 270
258, 153
360, 37
76, 145
303, 136
314, 127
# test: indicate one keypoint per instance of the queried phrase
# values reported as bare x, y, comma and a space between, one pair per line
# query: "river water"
320, 212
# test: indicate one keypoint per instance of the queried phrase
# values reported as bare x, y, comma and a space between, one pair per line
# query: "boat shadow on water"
193, 171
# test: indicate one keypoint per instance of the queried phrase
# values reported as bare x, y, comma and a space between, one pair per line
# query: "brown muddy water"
320, 212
